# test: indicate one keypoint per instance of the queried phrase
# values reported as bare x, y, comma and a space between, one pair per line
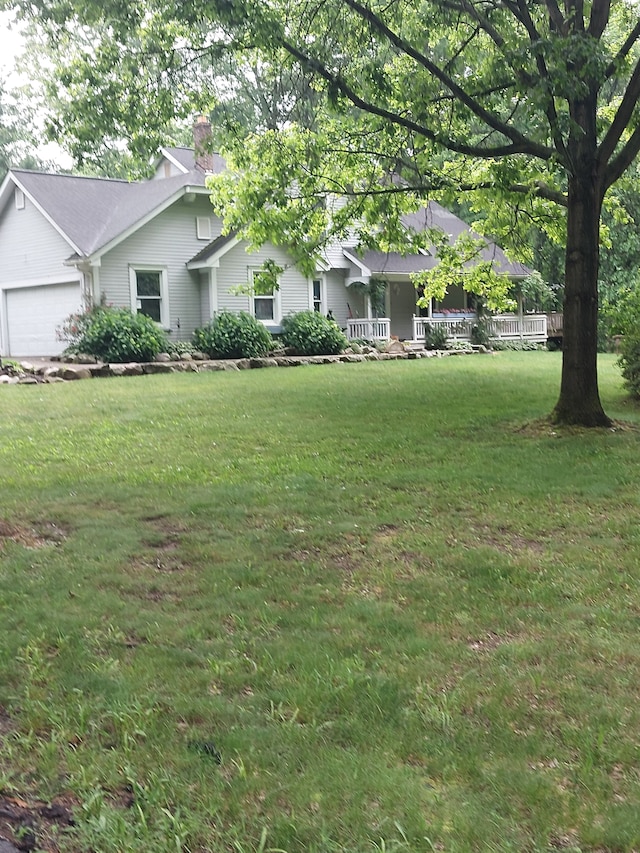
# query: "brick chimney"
202, 144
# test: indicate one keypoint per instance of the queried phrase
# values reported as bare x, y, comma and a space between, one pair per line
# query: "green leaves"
459, 263
311, 333
233, 336
115, 335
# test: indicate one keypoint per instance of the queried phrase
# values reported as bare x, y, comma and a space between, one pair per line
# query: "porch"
507, 327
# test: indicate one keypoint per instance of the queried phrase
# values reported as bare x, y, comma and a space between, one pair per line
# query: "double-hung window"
317, 295
149, 293
264, 297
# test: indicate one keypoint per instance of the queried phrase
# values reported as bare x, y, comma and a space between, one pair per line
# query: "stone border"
29, 374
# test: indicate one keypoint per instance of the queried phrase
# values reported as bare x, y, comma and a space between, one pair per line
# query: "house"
156, 246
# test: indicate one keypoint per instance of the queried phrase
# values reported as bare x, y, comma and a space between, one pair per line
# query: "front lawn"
324, 609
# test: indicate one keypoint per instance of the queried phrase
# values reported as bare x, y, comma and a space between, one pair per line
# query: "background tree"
17, 138
517, 101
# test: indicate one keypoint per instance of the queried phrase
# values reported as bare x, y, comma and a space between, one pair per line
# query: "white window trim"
203, 228
323, 294
19, 198
164, 289
276, 300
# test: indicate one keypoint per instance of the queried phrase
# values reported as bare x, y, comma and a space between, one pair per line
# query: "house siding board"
30, 247
169, 241
205, 304
340, 299
234, 270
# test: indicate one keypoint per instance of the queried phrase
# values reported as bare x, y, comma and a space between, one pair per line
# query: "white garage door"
34, 314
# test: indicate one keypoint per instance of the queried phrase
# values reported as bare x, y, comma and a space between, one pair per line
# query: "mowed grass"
340, 608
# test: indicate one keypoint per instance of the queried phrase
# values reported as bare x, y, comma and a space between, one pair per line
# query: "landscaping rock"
27, 380
395, 346
101, 370
262, 362
284, 361
27, 367
243, 363
213, 365
71, 373
199, 356
156, 367
163, 356
133, 369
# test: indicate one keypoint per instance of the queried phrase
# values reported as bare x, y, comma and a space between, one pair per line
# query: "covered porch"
403, 319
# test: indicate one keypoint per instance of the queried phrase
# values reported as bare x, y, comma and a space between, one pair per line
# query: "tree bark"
579, 401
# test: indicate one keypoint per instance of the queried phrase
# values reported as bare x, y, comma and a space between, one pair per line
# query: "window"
203, 227
149, 293
19, 198
316, 295
264, 297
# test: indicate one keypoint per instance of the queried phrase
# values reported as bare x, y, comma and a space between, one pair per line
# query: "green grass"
406, 621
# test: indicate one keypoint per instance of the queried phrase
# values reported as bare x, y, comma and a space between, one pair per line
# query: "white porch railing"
370, 329
528, 327
457, 329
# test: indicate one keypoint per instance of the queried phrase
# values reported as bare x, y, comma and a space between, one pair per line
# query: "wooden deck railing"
369, 329
529, 327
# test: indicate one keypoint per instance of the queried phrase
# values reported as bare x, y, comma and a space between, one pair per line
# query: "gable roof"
213, 251
433, 215
93, 214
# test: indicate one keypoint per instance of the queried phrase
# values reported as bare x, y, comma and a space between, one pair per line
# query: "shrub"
629, 360
311, 333
114, 334
435, 337
233, 336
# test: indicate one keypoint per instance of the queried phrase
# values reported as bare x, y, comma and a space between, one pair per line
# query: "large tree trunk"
579, 401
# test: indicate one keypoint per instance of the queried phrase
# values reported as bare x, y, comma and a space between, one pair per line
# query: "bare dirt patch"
545, 428
37, 535
27, 823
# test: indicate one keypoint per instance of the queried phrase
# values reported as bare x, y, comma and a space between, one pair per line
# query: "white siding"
205, 302
30, 247
168, 241
340, 299
234, 270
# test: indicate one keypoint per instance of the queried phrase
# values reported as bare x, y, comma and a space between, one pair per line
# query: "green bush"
114, 334
233, 336
311, 333
435, 337
629, 360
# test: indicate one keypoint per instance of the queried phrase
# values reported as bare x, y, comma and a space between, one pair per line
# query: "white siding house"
156, 247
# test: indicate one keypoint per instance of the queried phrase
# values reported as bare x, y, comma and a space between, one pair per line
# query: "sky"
10, 47
10, 44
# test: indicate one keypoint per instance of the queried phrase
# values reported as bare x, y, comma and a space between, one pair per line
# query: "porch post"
521, 315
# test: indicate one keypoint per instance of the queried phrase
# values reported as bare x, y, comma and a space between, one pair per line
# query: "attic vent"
19, 197
203, 227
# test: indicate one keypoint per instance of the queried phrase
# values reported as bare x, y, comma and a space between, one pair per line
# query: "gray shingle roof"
213, 247
92, 212
433, 215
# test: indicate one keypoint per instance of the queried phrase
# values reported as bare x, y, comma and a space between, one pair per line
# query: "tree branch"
600, 11
557, 18
490, 119
623, 160
622, 117
630, 41
340, 84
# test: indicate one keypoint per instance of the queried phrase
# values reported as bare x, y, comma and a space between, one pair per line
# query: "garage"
34, 313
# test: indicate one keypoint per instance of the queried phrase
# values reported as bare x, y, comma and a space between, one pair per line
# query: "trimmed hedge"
115, 335
311, 333
233, 336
